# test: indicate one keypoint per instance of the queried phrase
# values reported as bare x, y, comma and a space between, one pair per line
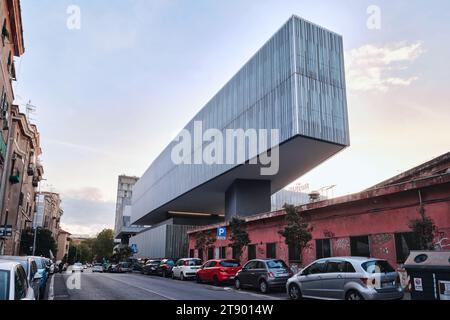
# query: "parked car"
98, 267
186, 268
218, 271
85, 266
350, 278
14, 283
31, 268
77, 267
43, 270
125, 267
165, 267
263, 274
151, 267
114, 268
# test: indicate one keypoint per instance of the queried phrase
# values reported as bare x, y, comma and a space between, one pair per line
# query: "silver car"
349, 278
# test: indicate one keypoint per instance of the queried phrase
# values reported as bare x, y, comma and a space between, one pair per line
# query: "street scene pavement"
135, 286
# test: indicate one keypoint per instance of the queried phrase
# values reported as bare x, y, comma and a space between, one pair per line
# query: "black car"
151, 267
263, 274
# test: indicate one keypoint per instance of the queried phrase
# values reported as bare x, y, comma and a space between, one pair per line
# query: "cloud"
85, 211
372, 68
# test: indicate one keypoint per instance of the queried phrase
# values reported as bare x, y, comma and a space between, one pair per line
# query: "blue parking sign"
134, 248
222, 233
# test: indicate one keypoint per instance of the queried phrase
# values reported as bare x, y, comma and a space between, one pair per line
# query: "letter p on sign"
222, 233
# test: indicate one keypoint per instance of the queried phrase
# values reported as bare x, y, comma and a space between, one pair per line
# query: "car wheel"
353, 295
216, 281
198, 279
237, 284
181, 276
294, 292
263, 287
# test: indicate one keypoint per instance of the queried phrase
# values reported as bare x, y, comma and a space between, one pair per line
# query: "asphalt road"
134, 286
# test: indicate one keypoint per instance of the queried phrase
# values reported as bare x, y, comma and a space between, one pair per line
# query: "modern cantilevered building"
295, 83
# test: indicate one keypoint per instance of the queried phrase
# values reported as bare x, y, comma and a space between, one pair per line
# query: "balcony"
14, 179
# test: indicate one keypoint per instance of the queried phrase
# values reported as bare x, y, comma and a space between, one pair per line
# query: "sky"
113, 93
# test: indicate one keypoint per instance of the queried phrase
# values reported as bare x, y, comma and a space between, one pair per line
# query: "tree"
44, 243
297, 233
239, 237
103, 245
204, 240
122, 254
424, 230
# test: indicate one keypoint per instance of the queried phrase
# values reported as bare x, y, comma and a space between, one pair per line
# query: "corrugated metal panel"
295, 83
177, 241
151, 243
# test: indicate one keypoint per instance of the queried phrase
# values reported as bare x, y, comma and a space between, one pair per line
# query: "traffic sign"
134, 248
222, 233
6, 231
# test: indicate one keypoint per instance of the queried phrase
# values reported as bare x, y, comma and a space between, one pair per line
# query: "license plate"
387, 284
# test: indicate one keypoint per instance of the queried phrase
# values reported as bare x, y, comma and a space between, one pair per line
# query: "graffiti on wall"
343, 244
381, 240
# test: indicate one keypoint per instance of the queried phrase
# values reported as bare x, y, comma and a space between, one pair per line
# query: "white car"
14, 283
186, 268
98, 267
77, 267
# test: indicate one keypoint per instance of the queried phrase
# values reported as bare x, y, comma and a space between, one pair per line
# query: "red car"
218, 271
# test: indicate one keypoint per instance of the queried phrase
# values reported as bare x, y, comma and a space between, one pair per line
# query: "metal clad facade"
151, 243
294, 83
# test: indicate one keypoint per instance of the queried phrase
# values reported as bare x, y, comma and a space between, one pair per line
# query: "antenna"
30, 110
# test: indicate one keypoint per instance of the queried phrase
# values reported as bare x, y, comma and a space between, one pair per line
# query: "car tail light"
397, 281
367, 281
271, 275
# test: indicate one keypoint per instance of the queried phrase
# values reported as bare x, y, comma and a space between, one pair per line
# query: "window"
223, 252
20, 280
235, 253
294, 253
271, 250
251, 250
323, 248
200, 253
404, 243
4, 285
360, 246
318, 267
377, 266
229, 264
191, 253
251, 265
210, 253
276, 264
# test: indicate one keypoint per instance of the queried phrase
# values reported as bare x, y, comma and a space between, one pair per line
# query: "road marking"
51, 290
139, 287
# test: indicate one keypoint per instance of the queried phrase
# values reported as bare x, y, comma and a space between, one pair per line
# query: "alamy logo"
235, 146
74, 18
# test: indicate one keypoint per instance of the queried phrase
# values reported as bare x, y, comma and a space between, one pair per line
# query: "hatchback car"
125, 267
77, 267
350, 278
263, 274
98, 267
30, 267
186, 268
43, 270
14, 283
150, 267
218, 271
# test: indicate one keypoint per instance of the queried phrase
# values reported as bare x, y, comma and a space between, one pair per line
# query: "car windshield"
229, 263
192, 263
4, 285
124, 265
154, 262
98, 264
39, 264
377, 266
276, 264
78, 265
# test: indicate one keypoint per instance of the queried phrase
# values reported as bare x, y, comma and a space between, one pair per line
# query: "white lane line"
51, 290
142, 288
